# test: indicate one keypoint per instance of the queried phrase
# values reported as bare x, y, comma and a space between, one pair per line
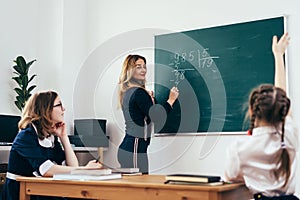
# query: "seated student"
266, 160
36, 150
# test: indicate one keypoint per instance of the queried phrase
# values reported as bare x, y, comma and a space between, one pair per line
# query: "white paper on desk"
86, 177
92, 171
126, 170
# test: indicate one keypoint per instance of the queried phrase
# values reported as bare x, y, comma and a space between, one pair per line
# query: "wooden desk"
144, 187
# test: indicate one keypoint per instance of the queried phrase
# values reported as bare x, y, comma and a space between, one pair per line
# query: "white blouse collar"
46, 142
263, 130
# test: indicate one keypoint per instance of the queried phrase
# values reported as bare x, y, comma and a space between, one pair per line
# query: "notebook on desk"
92, 171
126, 170
195, 183
192, 178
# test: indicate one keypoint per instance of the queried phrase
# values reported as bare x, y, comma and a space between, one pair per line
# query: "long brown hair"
125, 80
38, 111
272, 105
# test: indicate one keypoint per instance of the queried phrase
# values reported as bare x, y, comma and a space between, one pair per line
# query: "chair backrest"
3, 167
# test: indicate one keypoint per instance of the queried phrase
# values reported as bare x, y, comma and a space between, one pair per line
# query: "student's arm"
279, 48
60, 169
71, 159
233, 165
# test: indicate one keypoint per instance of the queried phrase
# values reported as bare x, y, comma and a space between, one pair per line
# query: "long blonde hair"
38, 111
125, 80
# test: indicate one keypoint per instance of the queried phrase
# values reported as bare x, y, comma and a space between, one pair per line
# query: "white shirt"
253, 159
48, 143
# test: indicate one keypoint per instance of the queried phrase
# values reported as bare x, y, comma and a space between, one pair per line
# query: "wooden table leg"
23, 195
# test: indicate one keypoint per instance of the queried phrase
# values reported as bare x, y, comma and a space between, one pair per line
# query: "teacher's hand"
152, 96
174, 93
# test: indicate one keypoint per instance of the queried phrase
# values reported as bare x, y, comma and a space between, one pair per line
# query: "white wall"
80, 46
18, 35
34, 30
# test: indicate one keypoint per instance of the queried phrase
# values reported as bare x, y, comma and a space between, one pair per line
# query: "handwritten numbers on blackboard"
178, 72
213, 95
204, 59
179, 75
199, 58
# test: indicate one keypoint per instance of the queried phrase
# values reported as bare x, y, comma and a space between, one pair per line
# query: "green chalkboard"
214, 69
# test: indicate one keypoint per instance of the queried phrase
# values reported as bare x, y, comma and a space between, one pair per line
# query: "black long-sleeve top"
136, 106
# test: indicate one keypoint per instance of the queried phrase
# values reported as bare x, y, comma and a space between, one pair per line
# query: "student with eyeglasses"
36, 150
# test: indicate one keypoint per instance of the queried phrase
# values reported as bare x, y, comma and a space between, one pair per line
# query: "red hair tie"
249, 132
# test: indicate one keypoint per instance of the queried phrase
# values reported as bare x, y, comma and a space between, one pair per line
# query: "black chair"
3, 170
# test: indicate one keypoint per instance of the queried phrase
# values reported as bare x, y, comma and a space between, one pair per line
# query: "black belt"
260, 196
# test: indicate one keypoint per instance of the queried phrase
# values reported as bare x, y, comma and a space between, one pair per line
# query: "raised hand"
279, 47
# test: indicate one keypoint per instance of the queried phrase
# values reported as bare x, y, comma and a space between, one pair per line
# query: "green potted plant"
24, 90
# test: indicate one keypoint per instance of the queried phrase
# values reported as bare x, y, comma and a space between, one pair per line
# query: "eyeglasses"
59, 105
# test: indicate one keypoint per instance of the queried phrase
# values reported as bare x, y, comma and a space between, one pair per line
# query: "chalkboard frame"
161, 94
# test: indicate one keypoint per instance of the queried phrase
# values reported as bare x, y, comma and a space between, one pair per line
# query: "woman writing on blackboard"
136, 103
266, 160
